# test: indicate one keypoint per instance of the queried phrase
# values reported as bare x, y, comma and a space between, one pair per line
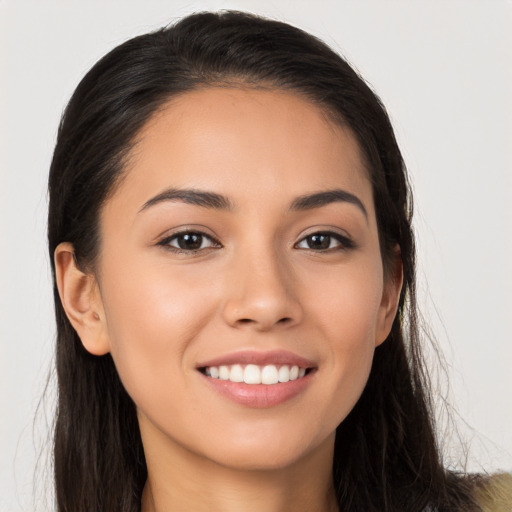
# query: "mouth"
269, 374
258, 379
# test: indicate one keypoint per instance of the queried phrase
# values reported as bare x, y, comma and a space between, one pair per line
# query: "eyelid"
164, 239
186, 228
345, 240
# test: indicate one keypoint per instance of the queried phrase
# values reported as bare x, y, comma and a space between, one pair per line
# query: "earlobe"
390, 298
81, 300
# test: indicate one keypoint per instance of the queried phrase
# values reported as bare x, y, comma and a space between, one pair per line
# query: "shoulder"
494, 494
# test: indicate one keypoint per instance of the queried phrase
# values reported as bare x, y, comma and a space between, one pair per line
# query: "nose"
261, 293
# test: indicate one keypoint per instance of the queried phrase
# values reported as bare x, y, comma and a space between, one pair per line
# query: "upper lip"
276, 357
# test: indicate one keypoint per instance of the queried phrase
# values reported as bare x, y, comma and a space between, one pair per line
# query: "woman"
230, 226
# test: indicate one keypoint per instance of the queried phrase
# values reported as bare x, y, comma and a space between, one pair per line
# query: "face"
242, 247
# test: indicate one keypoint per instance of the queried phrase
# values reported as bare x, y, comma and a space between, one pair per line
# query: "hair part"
388, 440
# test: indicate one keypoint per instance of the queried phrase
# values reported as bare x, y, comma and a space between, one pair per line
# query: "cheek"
348, 303
348, 313
152, 318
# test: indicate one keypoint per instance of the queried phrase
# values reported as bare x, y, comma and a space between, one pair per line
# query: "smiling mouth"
269, 374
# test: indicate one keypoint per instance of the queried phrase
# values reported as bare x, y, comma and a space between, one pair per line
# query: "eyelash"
344, 242
166, 242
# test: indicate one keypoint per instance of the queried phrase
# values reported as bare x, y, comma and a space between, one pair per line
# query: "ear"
390, 297
81, 300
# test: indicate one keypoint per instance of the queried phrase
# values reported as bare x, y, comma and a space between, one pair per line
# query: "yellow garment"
495, 493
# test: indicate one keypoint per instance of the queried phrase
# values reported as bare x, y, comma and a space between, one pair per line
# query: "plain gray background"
444, 71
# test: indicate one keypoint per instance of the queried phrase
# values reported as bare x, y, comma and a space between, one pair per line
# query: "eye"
325, 241
189, 241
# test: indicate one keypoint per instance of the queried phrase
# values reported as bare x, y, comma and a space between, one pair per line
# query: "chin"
271, 453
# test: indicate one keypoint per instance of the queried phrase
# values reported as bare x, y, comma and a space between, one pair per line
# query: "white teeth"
236, 374
284, 374
223, 372
269, 375
253, 374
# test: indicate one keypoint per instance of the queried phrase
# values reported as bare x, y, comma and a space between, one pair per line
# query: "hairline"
127, 156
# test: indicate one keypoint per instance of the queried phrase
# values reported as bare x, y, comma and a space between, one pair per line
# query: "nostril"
283, 320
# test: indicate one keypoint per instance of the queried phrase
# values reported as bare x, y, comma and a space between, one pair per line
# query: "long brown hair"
386, 455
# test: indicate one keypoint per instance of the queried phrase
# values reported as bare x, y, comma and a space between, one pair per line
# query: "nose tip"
262, 299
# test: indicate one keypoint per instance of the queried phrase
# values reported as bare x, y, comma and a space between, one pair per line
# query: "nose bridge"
262, 292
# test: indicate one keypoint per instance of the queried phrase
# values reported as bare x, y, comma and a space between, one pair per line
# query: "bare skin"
228, 490
216, 246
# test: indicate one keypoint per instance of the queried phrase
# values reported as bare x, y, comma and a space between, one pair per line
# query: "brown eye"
325, 241
319, 241
189, 241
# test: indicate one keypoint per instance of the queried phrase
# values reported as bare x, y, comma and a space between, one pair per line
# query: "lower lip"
259, 395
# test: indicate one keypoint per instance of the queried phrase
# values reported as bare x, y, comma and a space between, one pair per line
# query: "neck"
181, 480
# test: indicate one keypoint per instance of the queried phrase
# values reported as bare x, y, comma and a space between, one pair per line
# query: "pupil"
319, 241
190, 241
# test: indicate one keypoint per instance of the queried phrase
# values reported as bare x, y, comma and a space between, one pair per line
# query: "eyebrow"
191, 196
219, 202
319, 199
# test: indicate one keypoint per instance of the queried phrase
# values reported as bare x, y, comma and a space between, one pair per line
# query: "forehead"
245, 142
